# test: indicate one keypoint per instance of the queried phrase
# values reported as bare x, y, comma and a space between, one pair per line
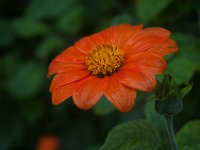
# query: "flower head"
169, 96
115, 62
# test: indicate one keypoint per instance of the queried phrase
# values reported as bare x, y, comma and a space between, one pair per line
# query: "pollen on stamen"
104, 60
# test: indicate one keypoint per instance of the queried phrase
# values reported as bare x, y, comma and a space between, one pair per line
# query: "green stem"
170, 130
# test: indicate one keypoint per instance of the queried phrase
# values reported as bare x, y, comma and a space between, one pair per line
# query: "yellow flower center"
104, 60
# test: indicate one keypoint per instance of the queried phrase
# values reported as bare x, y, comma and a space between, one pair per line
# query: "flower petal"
120, 35
71, 55
89, 91
146, 39
69, 76
138, 77
97, 38
62, 93
122, 97
88, 43
167, 47
116, 35
155, 63
60, 67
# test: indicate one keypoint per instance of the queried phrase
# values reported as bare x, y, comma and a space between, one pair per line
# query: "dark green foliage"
48, 9
6, 32
28, 28
149, 9
103, 107
182, 65
135, 135
72, 21
192, 147
27, 81
33, 32
49, 45
189, 135
155, 118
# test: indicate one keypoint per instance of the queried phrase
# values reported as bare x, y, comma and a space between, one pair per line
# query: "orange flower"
48, 143
115, 62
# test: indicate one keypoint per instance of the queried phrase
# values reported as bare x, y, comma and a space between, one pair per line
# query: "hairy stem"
170, 130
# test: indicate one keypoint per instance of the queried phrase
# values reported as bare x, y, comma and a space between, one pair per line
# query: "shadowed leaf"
189, 134
137, 135
148, 9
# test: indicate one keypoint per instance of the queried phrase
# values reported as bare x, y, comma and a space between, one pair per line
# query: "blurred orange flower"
115, 62
48, 143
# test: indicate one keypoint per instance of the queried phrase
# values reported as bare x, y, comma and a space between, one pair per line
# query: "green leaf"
186, 90
137, 135
103, 107
191, 147
155, 118
46, 9
13, 58
149, 9
48, 45
7, 36
151, 98
26, 81
122, 18
159, 77
181, 69
188, 47
27, 28
189, 134
72, 21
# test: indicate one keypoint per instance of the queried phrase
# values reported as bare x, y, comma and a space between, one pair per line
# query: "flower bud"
168, 97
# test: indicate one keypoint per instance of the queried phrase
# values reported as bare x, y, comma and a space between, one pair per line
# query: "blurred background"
33, 32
